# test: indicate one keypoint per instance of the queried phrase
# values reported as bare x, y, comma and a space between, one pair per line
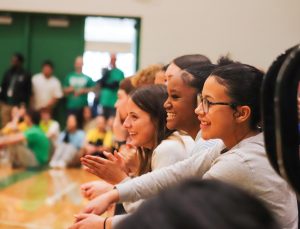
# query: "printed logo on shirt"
78, 82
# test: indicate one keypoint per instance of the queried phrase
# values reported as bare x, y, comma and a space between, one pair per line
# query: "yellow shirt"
10, 129
94, 135
22, 126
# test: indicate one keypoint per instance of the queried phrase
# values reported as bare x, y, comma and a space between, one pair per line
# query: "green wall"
12, 39
61, 45
31, 35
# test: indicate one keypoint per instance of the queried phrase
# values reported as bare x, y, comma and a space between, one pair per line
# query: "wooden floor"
44, 199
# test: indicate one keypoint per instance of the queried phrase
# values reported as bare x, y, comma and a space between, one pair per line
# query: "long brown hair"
151, 100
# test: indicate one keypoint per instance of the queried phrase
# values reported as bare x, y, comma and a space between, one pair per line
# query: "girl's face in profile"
71, 123
121, 102
218, 121
180, 105
140, 127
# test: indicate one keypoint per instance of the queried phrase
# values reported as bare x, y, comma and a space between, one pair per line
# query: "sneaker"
61, 164
52, 164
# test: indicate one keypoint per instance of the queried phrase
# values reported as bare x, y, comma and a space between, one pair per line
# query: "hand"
130, 158
109, 170
101, 203
93, 189
90, 149
87, 221
2, 142
69, 90
80, 92
119, 159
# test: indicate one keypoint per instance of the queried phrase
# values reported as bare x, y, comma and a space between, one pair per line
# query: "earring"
236, 114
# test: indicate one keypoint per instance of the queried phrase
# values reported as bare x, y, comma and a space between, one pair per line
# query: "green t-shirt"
38, 143
77, 81
108, 97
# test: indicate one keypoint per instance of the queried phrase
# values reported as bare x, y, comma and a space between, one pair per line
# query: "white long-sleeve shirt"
171, 150
199, 147
245, 165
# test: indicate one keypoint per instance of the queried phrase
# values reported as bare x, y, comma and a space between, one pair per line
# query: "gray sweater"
245, 165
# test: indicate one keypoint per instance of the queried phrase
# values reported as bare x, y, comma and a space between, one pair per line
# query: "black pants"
119, 210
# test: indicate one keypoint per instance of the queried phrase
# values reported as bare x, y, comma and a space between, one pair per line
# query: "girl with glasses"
240, 160
182, 87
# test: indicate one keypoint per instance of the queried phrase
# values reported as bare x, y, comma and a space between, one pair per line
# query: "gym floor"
41, 198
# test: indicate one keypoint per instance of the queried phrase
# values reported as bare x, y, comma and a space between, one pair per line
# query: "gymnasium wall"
31, 35
254, 31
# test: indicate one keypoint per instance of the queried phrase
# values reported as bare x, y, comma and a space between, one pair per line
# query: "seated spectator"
157, 146
228, 109
146, 76
17, 123
160, 77
206, 204
28, 149
120, 133
49, 126
109, 131
98, 139
184, 120
88, 121
70, 142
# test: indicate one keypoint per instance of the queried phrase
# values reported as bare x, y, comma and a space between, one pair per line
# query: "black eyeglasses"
206, 103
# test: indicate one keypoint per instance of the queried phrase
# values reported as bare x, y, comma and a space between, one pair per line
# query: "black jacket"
22, 88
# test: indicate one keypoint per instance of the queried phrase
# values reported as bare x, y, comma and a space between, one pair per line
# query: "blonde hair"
146, 76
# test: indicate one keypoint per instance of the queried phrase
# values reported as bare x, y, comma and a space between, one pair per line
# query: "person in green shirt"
30, 148
109, 85
76, 87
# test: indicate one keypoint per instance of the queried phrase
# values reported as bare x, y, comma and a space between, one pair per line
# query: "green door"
59, 44
13, 38
31, 35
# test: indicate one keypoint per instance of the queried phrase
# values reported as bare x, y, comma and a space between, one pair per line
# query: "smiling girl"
229, 109
157, 146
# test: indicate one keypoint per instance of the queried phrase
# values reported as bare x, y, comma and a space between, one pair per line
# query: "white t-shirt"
44, 89
53, 132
